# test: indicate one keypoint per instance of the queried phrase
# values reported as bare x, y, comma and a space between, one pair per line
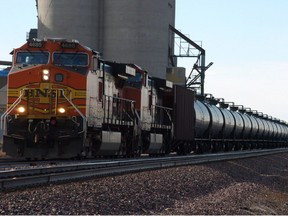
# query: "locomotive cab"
46, 99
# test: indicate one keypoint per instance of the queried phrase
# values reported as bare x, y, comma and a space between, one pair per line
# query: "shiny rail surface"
45, 175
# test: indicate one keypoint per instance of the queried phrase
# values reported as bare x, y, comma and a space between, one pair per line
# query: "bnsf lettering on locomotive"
42, 93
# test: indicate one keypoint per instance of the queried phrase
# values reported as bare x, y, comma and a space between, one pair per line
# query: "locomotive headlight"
45, 77
61, 110
45, 74
21, 109
45, 71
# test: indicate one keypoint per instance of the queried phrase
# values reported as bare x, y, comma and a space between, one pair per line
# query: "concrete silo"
70, 19
135, 31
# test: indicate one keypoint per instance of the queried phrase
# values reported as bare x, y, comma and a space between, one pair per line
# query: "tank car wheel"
234, 147
225, 147
215, 147
199, 148
183, 149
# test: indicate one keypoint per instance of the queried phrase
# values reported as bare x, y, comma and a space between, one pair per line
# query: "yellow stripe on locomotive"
50, 101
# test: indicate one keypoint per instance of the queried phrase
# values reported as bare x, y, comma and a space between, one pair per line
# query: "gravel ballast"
247, 186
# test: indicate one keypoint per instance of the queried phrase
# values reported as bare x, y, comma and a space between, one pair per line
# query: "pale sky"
246, 40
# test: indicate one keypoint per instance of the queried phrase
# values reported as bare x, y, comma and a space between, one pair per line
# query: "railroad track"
30, 176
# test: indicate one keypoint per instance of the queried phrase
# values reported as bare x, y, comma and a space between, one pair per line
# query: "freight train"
64, 101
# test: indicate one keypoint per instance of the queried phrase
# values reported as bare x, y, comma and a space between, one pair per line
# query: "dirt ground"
255, 186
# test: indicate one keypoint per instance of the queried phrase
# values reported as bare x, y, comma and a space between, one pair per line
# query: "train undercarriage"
39, 141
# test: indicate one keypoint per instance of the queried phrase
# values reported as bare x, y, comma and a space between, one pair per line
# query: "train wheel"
225, 147
199, 148
183, 148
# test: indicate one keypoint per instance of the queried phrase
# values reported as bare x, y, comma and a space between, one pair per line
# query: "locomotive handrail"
83, 117
123, 99
166, 109
139, 124
162, 107
107, 97
134, 111
16, 102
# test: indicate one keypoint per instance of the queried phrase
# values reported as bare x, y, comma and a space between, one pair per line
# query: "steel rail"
31, 177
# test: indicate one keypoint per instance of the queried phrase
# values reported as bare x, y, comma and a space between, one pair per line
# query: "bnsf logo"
46, 93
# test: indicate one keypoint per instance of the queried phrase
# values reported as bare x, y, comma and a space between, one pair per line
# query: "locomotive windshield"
32, 58
70, 59
134, 81
77, 62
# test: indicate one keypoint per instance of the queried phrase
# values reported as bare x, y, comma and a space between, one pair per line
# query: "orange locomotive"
63, 102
